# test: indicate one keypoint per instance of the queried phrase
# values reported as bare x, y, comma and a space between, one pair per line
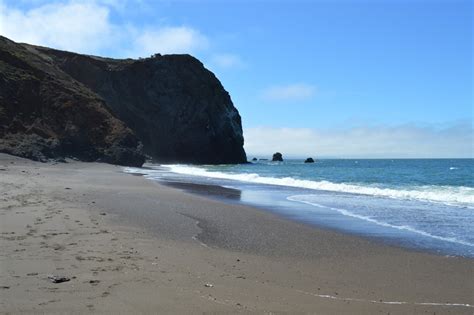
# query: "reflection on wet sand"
209, 190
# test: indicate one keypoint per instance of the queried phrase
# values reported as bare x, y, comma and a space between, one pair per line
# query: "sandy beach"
130, 245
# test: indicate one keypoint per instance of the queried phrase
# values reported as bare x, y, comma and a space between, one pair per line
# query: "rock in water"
176, 107
277, 157
309, 160
45, 113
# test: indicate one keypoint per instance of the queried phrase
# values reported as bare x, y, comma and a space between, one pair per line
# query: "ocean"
422, 204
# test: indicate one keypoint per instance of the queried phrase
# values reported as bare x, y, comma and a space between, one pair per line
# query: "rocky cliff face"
178, 109
45, 113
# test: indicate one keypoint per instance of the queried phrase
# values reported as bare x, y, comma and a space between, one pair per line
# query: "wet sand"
129, 245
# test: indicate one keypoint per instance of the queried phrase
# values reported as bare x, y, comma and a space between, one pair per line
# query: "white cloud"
82, 27
227, 61
403, 141
87, 27
291, 92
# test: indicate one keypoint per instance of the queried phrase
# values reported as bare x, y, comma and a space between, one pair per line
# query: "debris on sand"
58, 279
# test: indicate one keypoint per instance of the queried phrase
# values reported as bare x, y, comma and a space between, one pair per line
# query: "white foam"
303, 199
333, 297
461, 196
133, 170
146, 172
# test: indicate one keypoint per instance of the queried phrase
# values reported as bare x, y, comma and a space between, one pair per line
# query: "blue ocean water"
426, 204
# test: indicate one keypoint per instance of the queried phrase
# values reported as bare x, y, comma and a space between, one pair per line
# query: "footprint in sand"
47, 302
58, 247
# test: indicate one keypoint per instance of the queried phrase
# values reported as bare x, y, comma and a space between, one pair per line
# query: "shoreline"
131, 245
269, 200
230, 196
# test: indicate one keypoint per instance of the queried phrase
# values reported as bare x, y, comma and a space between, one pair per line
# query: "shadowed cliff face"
55, 103
177, 108
45, 113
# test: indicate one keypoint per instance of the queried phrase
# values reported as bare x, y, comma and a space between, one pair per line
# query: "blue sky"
335, 78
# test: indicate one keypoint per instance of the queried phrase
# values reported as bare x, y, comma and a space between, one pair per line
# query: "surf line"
197, 223
332, 297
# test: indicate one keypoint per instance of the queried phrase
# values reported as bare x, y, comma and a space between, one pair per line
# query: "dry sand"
130, 245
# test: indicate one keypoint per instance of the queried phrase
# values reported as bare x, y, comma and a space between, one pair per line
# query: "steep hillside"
178, 109
45, 113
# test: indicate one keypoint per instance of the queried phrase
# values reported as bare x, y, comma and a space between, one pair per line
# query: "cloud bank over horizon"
401, 141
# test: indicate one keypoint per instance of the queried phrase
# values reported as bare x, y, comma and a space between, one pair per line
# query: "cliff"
176, 107
45, 113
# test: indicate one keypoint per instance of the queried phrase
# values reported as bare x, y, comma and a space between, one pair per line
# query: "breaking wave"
451, 195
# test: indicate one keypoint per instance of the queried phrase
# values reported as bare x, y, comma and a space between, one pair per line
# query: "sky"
321, 78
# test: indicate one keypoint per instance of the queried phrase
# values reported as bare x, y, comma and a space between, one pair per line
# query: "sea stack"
277, 157
309, 160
